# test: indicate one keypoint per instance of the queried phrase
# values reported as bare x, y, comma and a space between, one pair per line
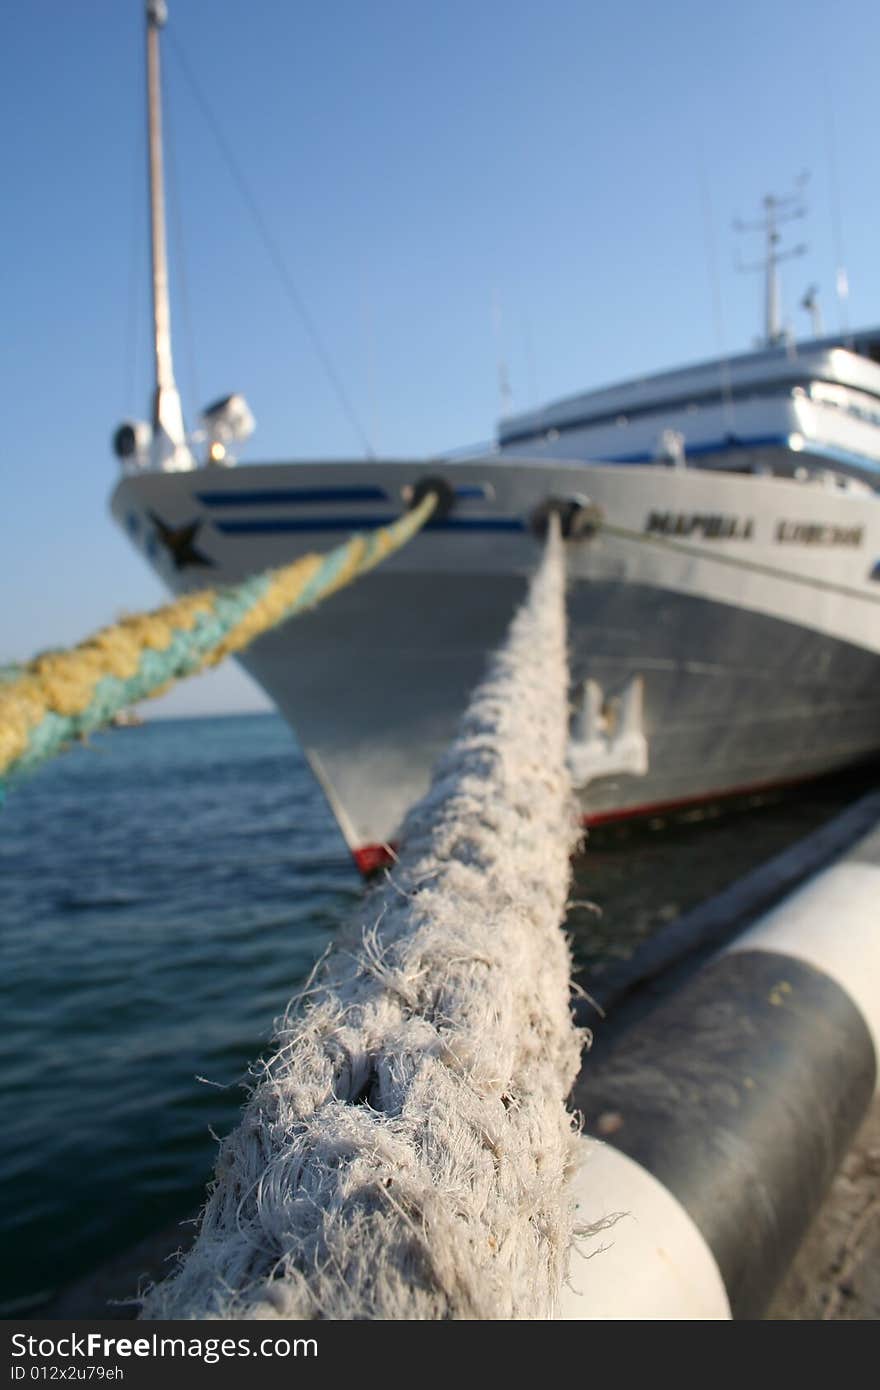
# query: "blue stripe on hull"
278, 496
272, 526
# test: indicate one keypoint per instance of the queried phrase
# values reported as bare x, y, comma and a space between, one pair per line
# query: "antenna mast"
776, 211
169, 449
504, 392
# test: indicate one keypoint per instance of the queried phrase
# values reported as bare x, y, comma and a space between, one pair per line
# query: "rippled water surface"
165, 891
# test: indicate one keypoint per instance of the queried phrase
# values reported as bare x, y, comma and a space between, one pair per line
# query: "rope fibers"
404, 1151
61, 696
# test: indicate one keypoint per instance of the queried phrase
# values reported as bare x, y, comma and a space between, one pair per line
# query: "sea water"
163, 892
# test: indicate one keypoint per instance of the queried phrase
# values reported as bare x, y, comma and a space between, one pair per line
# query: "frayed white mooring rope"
404, 1153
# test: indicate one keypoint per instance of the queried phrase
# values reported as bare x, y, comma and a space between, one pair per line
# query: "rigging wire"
274, 252
710, 249
841, 281
531, 369
369, 339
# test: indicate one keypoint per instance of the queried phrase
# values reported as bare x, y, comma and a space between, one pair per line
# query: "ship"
127, 719
722, 536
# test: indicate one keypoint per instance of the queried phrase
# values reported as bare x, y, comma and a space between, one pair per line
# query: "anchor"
603, 743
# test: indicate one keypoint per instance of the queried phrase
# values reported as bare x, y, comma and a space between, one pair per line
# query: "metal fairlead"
442, 490
579, 518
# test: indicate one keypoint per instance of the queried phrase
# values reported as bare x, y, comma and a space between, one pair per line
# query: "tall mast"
772, 324
169, 449
776, 209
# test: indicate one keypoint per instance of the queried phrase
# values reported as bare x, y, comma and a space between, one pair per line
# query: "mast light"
227, 422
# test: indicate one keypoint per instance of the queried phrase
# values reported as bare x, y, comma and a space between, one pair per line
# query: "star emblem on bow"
179, 541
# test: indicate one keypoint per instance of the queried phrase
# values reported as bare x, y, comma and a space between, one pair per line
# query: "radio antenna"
777, 210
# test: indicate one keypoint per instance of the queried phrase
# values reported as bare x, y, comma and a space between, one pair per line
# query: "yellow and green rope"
60, 696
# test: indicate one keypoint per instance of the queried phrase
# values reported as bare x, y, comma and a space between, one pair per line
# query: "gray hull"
732, 700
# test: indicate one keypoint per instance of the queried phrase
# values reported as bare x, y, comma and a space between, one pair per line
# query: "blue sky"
417, 163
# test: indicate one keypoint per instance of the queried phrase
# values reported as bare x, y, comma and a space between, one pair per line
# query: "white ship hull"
730, 623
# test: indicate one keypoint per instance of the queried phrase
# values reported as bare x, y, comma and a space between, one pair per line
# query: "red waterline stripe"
370, 858
654, 808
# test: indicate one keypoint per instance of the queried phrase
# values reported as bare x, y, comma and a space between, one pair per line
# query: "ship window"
858, 404
828, 394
